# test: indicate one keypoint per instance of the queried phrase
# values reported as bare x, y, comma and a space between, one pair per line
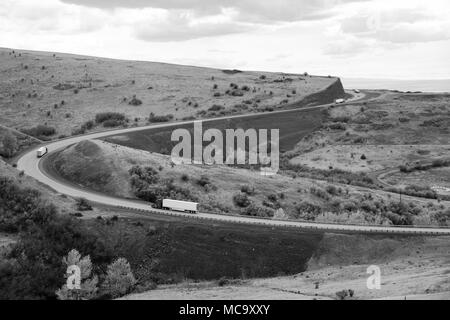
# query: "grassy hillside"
172, 252
106, 168
65, 91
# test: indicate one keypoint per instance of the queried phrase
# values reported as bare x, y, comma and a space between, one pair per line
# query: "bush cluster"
165, 118
41, 132
110, 119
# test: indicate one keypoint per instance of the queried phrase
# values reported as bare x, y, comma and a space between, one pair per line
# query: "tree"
88, 283
8, 145
119, 279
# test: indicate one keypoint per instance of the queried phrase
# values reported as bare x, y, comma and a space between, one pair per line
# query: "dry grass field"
397, 130
378, 157
65, 91
438, 179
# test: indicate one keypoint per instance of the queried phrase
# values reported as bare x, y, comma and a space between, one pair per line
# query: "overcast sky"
349, 38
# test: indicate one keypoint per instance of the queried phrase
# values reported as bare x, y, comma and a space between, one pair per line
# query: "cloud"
177, 27
400, 25
414, 33
181, 20
47, 16
348, 46
249, 10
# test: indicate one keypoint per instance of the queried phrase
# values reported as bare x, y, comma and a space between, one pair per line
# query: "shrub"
359, 140
203, 181
106, 116
333, 190
40, 131
440, 163
216, 107
442, 218
76, 214
308, 211
165, 118
223, 282
349, 206
142, 177
247, 189
399, 213
241, 200
235, 93
88, 125
404, 169
344, 294
135, 101
8, 145
337, 126
343, 119
184, 177
112, 123
119, 279
256, 211
83, 205
154, 193
320, 193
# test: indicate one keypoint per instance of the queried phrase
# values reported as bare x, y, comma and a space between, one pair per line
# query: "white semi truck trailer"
183, 206
41, 152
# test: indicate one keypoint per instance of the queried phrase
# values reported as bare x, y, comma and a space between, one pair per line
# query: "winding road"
32, 166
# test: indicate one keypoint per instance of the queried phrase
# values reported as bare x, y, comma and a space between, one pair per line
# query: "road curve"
31, 166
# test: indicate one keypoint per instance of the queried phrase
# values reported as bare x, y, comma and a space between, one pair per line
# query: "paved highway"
32, 166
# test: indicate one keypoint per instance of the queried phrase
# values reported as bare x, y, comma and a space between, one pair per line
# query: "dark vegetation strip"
158, 251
